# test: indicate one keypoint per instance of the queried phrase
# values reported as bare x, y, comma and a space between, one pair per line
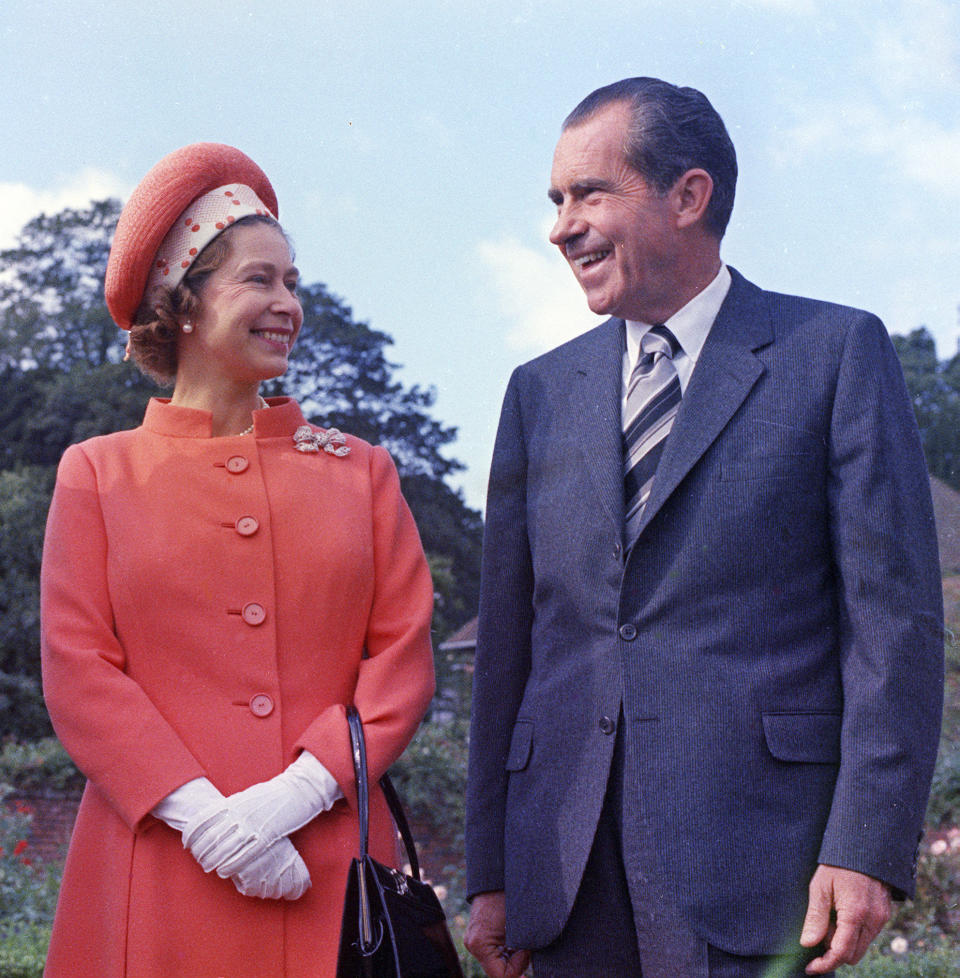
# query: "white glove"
213, 835
185, 802
275, 808
216, 837
279, 872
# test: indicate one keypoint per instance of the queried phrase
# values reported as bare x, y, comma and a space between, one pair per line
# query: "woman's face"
249, 314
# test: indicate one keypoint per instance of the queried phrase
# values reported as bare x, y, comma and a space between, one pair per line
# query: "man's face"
617, 233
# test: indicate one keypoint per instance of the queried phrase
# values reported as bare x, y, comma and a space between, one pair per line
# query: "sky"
410, 146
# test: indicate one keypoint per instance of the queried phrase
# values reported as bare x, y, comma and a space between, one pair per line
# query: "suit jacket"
774, 639
209, 606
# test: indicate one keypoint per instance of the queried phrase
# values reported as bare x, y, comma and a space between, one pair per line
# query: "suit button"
237, 464
261, 705
246, 526
607, 725
253, 613
628, 632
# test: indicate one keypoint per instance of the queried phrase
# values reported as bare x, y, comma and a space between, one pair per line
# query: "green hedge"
23, 952
932, 964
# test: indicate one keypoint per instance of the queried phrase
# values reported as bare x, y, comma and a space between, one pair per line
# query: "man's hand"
861, 905
486, 936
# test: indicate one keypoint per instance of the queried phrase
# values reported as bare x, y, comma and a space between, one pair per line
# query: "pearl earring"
187, 327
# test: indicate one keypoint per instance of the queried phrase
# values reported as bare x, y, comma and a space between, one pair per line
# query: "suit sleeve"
503, 648
891, 615
395, 682
104, 719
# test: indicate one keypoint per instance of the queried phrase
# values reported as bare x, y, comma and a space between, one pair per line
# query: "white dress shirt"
690, 325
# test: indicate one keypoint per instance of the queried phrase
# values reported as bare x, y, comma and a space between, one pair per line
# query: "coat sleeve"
395, 682
502, 662
104, 719
891, 615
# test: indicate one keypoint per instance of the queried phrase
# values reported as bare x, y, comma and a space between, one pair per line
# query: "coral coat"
209, 607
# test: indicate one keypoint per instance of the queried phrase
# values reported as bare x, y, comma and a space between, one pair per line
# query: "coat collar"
726, 370
282, 417
595, 396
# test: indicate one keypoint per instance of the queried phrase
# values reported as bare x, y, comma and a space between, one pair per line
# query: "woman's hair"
153, 335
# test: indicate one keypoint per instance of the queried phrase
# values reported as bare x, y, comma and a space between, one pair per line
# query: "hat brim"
159, 199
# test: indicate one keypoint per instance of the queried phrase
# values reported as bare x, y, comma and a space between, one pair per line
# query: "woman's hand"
279, 873
260, 866
275, 808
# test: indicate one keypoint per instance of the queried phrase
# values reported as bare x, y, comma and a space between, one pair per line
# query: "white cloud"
899, 105
19, 202
918, 48
803, 8
537, 293
922, 149
931, 155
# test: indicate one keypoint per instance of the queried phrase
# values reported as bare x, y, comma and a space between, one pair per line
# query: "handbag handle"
359, 751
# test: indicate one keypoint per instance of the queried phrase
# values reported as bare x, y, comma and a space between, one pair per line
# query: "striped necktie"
653, 398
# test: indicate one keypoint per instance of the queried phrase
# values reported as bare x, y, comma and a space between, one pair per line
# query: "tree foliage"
51, 291
64, 380
935, 390
343, 379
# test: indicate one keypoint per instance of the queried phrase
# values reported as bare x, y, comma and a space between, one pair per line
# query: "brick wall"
53, 818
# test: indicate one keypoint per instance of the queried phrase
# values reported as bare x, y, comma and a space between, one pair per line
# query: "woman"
218, 584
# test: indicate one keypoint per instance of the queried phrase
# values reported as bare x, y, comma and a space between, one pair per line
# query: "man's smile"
591, 258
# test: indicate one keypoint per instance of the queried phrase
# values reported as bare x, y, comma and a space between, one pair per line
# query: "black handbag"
393, 924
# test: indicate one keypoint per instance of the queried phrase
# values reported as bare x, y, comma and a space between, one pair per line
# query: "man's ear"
691, 194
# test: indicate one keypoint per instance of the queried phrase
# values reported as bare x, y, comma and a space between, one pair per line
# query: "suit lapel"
596, 378
726, 370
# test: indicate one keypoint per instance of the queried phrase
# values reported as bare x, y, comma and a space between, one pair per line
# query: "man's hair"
672, 130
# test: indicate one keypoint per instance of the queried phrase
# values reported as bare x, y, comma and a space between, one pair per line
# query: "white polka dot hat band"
197, 226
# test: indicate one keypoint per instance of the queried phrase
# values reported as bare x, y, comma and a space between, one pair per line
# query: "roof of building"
464, 637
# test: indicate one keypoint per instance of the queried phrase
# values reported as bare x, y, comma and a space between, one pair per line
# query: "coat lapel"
726, 370
596, 378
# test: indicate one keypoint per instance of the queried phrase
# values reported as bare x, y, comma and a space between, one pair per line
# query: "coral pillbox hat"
154, 207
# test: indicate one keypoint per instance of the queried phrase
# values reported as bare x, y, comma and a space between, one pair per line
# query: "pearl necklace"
249, 431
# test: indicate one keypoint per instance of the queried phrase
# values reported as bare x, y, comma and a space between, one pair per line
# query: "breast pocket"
767, 450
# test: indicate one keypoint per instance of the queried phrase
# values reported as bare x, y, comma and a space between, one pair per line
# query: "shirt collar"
689, 324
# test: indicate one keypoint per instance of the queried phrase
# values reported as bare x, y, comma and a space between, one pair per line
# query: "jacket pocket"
813, 738
768, 450
766, 467
521, 743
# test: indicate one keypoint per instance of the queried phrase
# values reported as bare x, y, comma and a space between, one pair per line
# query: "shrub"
28, 891
23, 952
932, 919
38, 765
944, 963
431, 776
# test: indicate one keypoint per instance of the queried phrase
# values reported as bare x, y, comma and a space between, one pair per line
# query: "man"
709, 661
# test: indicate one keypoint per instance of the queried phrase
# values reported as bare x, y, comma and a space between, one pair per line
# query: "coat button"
246, 526
253, 613
607, 725
628, 632
237, 464
261, 705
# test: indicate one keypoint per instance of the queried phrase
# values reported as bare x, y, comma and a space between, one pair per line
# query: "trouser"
624, 923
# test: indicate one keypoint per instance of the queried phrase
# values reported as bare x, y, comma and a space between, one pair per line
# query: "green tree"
341, 375
52, 312
24, 497
64, 381
935, 390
